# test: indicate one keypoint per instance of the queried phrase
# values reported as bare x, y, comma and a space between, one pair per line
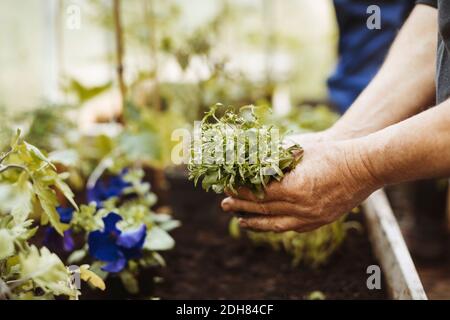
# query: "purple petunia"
53, 239
114, 246
106, 188
65, 214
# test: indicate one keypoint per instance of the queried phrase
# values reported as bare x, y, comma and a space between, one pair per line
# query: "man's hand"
336, 176
331, 180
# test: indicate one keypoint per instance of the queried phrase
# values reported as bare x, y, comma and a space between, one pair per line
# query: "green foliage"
5, 128
45, 270
29, 173
311, 248
147, 135
28, 181
305, 118
47, 126
81, 92
254, 165
31, 186
316, 295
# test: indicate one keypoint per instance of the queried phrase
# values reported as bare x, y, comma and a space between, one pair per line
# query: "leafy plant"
311, 248
257, 157
34, 178
28, 183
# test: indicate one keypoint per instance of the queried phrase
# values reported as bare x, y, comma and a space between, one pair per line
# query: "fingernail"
243, 223
226, 204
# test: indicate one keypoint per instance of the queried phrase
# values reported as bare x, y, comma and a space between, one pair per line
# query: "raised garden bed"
208, 264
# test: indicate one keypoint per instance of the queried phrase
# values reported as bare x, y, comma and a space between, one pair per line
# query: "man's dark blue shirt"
362, 50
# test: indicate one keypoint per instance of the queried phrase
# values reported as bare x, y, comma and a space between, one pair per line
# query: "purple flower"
53, 239
65, 214
106, 188
114, 246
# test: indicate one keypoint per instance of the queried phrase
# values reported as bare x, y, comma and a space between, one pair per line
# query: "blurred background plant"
199, 51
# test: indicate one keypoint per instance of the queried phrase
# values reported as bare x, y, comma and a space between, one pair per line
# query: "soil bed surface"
208, 264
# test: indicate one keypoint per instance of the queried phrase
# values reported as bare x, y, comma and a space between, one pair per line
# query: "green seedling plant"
257, 157
28, 185
312, 248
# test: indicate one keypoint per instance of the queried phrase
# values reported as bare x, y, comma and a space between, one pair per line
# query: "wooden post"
119, 49
151, 23
448, 206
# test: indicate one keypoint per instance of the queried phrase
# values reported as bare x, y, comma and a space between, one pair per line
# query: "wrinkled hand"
331, 180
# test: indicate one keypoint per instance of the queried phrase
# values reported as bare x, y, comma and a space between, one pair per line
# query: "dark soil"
208, 264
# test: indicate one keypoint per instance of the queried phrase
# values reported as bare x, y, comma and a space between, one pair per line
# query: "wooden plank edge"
448, 206
401, 276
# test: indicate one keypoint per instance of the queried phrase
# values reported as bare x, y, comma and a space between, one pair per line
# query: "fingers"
264, 208
269, 223
244, 194
277, 224
274, 208
273, 192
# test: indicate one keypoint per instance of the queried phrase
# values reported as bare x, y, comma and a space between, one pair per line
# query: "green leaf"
142, 146
35, 152
316, 295
92, 278
6, 244
85, 93
158, 239
23, 202
46, 270
68, 157
234, 229
67, 192
49, 202
76, 256
129, 282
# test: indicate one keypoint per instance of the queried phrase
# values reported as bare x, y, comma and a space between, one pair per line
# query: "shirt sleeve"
432, 3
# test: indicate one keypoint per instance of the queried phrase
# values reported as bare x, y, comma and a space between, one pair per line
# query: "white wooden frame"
389, 247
